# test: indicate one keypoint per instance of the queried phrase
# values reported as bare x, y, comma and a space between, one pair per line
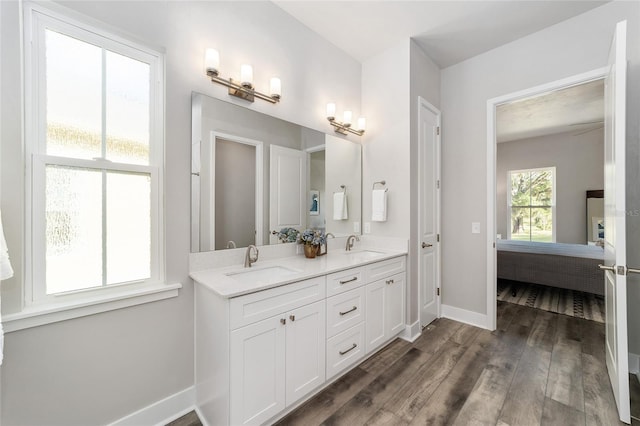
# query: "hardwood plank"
366, 402
445, 403
525, 399
565, 374
189, 419
543, 331
385, 357
436, 334
506, 315
385, 418
634, 390
525, 316
599, 402
465, 335
556, 413
593, 339
407, 401
568, 328
329, 400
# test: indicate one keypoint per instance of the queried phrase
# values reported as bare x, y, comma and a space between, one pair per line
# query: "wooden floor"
537, 368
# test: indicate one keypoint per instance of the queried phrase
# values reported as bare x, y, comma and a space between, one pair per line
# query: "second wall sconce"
345, 126
244, 88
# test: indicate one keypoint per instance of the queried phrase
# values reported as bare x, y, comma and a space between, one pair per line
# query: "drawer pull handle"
350, 310
292, 317
348, 350
348, 281
283, 321
389, 281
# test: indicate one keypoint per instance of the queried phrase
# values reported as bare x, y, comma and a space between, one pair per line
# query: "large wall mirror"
252, 174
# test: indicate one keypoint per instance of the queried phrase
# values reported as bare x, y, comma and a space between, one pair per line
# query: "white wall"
574, 46
579, 163
96, 369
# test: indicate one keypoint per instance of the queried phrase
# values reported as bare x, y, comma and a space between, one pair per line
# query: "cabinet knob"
425, 245
283, 321
389, 281
292, 317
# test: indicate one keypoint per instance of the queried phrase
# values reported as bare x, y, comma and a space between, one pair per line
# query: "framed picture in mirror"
314, 202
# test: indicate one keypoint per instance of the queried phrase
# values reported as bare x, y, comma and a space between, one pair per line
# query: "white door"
306, 350
287, 189
615, 255
375, 310
394, 305
429, 192
257, 371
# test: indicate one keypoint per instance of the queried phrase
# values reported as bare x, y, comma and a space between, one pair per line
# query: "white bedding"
560, 249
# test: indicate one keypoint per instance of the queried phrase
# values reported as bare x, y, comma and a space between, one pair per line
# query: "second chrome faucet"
350, 241
248, 259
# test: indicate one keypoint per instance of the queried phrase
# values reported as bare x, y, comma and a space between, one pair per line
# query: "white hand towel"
6, 271
340, 206
379, 205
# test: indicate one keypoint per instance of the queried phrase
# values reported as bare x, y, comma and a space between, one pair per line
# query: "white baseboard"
411, 332
163, 411
634, 364
462, 315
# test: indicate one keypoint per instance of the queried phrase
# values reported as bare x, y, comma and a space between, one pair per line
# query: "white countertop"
338, 260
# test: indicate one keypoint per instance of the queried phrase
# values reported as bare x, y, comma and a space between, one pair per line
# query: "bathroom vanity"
271, 336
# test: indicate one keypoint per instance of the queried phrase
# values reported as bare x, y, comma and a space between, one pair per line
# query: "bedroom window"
532, 205
95, 150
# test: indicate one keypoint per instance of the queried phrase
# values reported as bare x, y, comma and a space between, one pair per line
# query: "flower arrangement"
311, 237
288, 235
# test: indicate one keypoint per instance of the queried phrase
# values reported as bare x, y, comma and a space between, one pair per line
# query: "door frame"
492, 103
438, 284
259, 145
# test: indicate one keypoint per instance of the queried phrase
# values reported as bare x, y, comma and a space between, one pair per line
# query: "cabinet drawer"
345, 349
344, 311
267, 303
386, 268
342, 281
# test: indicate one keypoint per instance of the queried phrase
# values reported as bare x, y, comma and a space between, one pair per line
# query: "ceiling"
578, 109
448, 31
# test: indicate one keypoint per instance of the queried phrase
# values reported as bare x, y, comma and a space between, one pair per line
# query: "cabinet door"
305, 350
394, 305
375, 315
257, 373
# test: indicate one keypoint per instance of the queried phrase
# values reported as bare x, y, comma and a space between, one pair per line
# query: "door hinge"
438, 237
438, 184
494, 245
438, 130
438, 291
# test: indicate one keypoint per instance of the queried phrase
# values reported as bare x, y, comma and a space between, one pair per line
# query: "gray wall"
579, 163
571, 47
96, 369
235, 194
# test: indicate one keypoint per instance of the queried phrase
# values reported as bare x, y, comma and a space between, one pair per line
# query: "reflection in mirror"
253, 174
595, 217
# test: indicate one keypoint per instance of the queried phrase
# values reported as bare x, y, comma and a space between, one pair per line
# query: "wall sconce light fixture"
345, 126
244, 88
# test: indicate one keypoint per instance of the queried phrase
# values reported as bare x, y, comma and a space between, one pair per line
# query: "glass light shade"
331, 110
362, 123
211, 60
346, 120
246, 75
275, 87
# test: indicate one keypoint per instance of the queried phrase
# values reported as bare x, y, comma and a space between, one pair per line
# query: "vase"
310, 251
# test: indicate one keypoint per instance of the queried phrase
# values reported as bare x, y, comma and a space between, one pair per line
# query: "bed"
568, 266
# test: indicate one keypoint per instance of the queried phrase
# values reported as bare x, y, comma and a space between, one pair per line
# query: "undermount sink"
266, 274
362, 255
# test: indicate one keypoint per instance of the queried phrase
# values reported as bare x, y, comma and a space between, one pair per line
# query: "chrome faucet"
350, 241
248, 259
231, 244
326, 241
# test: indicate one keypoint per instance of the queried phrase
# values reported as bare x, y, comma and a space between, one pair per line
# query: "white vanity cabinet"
259, 355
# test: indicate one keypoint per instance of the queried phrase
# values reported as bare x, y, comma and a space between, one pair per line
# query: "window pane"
520, 189
73, 97
73, 229
541, 224
541, 188
128, 110
128, 227
520, 224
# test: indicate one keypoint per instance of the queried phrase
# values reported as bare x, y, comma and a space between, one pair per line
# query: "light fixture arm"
343, 128
246, 92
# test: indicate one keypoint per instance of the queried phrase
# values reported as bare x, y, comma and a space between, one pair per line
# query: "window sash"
551, 206
37, 19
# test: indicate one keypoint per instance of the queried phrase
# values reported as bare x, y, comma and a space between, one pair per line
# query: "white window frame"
553, 200
36, 19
